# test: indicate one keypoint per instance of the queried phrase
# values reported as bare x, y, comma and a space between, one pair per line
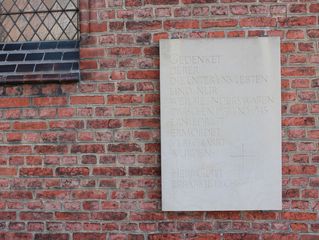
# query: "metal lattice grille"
38, 20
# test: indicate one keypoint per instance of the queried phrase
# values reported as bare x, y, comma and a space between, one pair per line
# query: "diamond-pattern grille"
38, 20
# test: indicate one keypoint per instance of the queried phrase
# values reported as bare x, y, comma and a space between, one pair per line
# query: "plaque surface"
220, 124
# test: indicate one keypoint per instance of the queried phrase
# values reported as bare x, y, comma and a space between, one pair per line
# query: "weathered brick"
53, 236
109, 216
89, 236
122, 147
8, 215
161, 2
36, 216
219, 23
36, 172
72, 171
109, 171
143, 25
181, 24
71, 216
96, 124
299, 216
89, 194
124, 99
258, 22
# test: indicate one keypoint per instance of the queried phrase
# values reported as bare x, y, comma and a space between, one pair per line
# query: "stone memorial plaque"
220, 124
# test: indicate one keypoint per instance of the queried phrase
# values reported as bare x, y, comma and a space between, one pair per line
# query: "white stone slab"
220, 124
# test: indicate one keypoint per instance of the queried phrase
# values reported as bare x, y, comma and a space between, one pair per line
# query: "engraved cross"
243, 156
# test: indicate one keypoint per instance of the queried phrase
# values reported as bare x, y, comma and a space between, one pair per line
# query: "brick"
145, 74
314, 8
30, 125
298, 71
219, 23
109, 171
239, 10
313, 33
313, 134
131, 147
97, 27
141, 123
143, 25
51, 236
258, 22
280, 236
295, 34
97, 124
8, 215
181, 24
287, 47
15, 236
89, 236
16, 226
298, 121
118, 51
72, 171
133, 3
116, 26
144, 171
238, 236
14, 102
109, 216
278, 10
53, 194
88, 64
124, 99
258, 215
161, 2
145, 216
87, 100
16, 195
293, 170
71, 216
167, 236
298, 8
301, 21
236, 34
309, 237
91, 52
223, 215
4, 125
88, 148
198, 1
50, 149
66, 124
36, 172
299, 216
36, 216
50, 101
4, 171
89, 194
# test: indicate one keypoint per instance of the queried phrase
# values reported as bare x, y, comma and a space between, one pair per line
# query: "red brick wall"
82, 160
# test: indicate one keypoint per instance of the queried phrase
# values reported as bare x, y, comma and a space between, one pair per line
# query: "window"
39, 40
